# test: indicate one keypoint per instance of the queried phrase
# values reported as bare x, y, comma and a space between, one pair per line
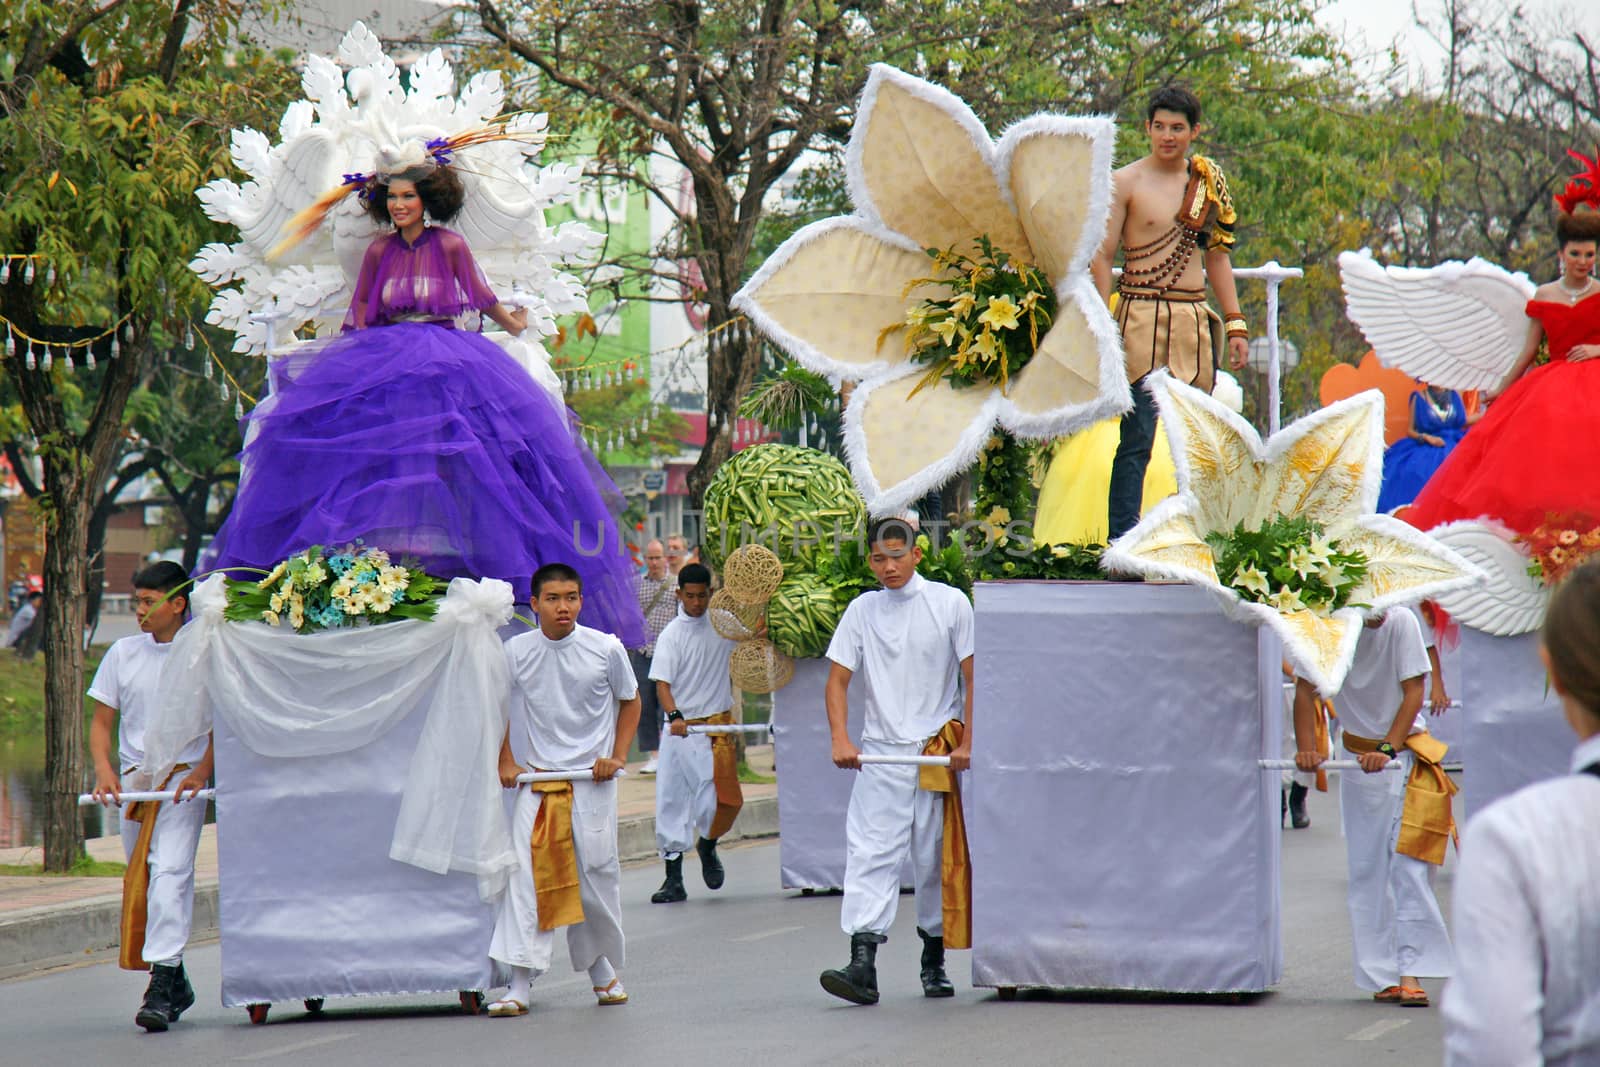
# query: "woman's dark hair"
1572, 635
1577, 226
439, 187
1174, 98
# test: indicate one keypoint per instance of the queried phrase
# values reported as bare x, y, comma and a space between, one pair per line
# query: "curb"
59, 934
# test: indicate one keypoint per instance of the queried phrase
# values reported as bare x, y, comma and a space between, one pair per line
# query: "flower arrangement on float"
318, 589
1559, 544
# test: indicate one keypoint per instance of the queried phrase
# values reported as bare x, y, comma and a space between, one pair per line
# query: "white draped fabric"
288, 695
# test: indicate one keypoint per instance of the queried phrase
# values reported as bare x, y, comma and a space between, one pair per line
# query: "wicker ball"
802, 615
733, 619
757, 667
751, 574
796, 501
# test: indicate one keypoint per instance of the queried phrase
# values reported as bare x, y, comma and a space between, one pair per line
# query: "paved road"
731, 978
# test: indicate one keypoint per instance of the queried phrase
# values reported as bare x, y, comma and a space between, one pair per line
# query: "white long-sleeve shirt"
1527, 928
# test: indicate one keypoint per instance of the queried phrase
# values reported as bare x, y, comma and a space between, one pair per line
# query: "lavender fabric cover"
429, 442
1122, 835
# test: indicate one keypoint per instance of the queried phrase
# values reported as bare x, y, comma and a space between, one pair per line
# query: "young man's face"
894, 562
158, 614
558, 605
1170, 134
694, 597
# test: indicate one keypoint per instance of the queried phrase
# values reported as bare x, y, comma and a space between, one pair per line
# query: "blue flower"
340, 564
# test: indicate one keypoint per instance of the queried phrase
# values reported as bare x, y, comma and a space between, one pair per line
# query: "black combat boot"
857, 982
156, 1012
710, 865
671, 890
182, 994
935, 983
1297, 807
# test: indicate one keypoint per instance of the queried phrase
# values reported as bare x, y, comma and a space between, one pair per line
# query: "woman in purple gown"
423, 439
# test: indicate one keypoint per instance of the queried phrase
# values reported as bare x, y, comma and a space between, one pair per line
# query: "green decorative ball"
802, 615
798, 502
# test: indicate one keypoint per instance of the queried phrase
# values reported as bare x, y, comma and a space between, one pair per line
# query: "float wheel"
257, 1013
314, 1005
472, 1002
1007, 992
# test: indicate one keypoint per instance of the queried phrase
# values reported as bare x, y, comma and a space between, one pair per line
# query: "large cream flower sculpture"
924, 174
1326, 467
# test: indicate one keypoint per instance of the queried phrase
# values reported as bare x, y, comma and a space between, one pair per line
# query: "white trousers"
686, 794
170, 901
518, 941
888, 814
1395, 923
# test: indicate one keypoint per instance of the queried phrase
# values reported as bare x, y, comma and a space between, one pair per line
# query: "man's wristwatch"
1386, 748
677, 716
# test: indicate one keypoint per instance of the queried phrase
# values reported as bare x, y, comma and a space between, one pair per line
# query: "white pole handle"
130, 797
907, 761
1330, 765
733, 728
561, 776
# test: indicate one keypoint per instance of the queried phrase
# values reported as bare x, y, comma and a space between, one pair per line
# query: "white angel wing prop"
1456, 325
1508, 600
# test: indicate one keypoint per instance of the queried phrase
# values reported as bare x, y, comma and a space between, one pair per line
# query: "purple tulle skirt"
433, 444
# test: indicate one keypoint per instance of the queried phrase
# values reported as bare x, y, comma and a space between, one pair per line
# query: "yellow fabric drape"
1427, 825
555, 858
955, 864
725, 775
136, 879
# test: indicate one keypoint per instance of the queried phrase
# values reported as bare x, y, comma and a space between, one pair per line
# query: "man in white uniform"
575, 705
690, 670
1395, 921
125, 691
912, 643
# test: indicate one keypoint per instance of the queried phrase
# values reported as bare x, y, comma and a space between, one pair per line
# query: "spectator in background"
26, 612
656, 587
31, 634
677, 554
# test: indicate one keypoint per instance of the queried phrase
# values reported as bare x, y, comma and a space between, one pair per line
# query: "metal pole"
733, 728
561, 776
907, 761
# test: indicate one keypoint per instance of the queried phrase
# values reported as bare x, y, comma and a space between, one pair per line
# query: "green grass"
84, 868
754, 777
22, 692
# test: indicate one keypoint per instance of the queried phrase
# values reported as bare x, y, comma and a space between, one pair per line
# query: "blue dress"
1409, 463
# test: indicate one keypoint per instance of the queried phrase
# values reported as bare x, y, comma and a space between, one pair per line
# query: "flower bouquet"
988, 326
320, 590
1560, 544
1289, 564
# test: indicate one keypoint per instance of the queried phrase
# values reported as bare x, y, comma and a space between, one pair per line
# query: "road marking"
284, 1050
1377, 1030
764, 934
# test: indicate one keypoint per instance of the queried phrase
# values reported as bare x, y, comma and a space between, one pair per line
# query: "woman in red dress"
1533, 453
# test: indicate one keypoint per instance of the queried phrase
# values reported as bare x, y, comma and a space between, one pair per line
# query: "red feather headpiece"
1584, 186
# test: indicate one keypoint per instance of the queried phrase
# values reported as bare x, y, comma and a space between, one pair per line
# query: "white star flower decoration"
1326, 467
924, 173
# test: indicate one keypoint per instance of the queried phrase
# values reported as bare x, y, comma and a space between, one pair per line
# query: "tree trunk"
65, 575
732, 360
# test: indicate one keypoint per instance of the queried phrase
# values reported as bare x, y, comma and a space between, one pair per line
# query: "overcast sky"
1379, 22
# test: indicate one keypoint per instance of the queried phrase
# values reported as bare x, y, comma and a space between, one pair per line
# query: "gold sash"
136, 879
1319, 724
956, 869
725, 774
1427, 825
555, 859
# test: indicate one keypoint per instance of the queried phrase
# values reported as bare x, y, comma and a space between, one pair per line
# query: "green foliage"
802, 615
1288, 564
782, 401
796, 501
